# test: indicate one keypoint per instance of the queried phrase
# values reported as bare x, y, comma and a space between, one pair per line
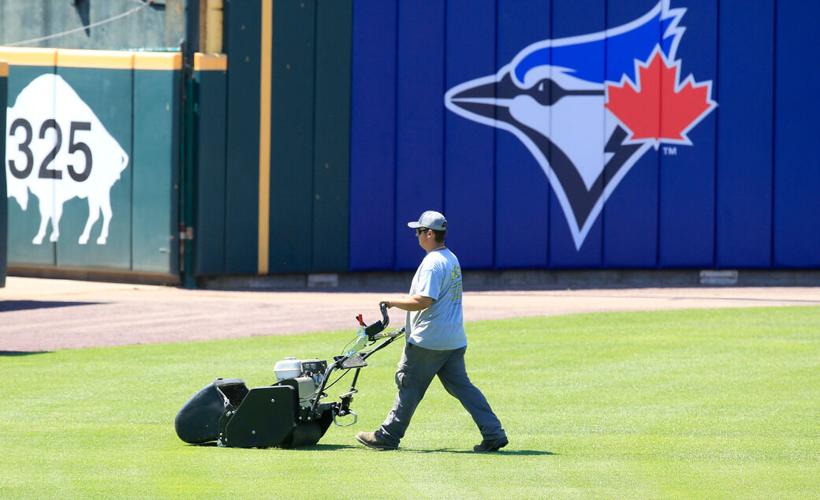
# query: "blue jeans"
416, 370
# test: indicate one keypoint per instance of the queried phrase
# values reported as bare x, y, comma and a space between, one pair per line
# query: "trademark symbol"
670, 151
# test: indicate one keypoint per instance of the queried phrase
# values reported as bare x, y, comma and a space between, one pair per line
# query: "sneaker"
373, 441
489, 445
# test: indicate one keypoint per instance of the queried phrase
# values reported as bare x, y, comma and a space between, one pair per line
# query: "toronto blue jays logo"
589, 107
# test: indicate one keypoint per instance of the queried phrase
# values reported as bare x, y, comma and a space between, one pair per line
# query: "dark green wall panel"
292, 108
331, 167
3, 198
128, 175
209, 176
242, 42
108, 94
155, 166
24, 222
309, 135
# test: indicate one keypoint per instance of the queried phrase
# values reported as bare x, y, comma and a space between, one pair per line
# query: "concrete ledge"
473, 280
518, 280
90, 274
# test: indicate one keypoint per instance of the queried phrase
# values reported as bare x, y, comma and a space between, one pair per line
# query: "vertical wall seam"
56, 245
225, 189
226, 166
265, 62
313, 155
715, 176
3, 182
133, 165
602, 215
494, 232
350, 141
348, 144
180, 92
444, 115
551, 27
773, 204
659, 185
397, 119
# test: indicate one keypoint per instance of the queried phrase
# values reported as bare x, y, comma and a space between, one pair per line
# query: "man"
435, 344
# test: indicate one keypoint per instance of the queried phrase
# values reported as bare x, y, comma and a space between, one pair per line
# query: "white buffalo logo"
58, 149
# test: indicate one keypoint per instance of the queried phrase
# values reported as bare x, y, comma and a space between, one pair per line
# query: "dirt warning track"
47, 315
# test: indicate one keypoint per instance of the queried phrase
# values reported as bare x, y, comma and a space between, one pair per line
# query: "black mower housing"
228, 413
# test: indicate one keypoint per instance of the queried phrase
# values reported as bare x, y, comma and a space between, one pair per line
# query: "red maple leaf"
657, 108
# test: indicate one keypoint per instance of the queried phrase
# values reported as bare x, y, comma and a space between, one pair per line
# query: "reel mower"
292, 412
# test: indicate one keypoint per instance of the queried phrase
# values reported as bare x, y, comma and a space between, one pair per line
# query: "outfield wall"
554, 134
698, 158
92, 160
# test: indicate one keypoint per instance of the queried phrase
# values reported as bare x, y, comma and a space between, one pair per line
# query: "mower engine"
304, 376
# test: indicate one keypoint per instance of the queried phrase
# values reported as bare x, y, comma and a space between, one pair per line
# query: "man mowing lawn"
436, 343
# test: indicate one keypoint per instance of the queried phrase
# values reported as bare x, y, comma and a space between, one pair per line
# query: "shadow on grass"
22, 353
328, 447
337, 447
499, 453
316, 447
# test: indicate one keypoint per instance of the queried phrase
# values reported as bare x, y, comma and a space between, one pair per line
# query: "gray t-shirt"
440, 326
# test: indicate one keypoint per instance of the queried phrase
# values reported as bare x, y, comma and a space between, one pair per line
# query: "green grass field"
693, 404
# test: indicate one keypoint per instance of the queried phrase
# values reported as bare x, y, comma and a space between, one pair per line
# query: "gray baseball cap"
431, 220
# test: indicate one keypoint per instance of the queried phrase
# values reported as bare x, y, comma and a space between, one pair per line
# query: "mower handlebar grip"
378, 326
385, 316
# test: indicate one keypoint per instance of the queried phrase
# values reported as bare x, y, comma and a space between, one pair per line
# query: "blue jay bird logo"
589, 107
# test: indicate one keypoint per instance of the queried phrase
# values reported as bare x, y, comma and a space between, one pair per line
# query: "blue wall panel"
373, 135
687, 178
420, 127
521, 189
469, 171
744, 147
630, 216
797, 133
572, 18
738, 191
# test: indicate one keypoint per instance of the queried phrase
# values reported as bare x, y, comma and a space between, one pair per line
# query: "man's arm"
410, 303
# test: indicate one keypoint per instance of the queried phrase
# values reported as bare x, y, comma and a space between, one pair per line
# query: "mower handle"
396, 333
378, 326
385, 316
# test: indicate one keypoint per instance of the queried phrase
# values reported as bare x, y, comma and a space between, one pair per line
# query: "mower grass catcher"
289, 413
